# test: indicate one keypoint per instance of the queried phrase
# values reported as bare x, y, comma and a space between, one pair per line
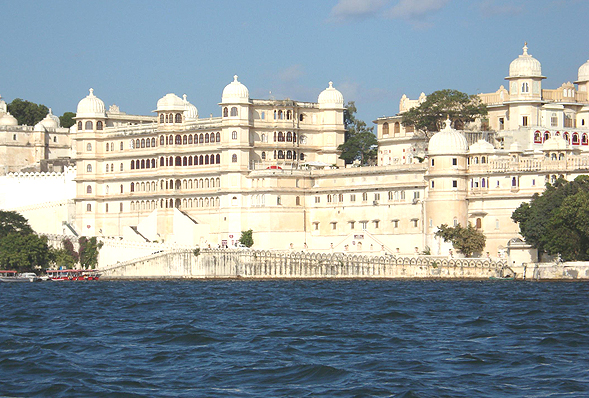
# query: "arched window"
546, 135
212, 137
178, 139
288, 154
397, 128
184, 140
137, 143
537, 137
201, 160
88, 126
195, 160
234, 158
171, 118
218, 136
190, 138
233, 111
80, 125
274, 115
170, 140
147, 143
161, 118
288, 115
218, 159
263, 155
166, 118
385, 129
99, 125
153, 163
206, 159
121, 188
88, 147
132, 165
234, 135
178, 161
275, 154
153, 142
584, 139
178, 118
294, 137
280, 136
280, 155
201, 138
212, 159
89, 168
479, 223
143, 143
575, 139
225, 112
89, 189
302, 156
280, 115
525, 88
184, 161
206, 138
142, 163
88, 207
289, 136
190, 160
275, 136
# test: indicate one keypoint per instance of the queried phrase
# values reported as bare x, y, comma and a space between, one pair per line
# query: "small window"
99, 125
234, 111
234, 158
234, 135
80, 125
225, 112
278, 201
88, 207
454, 183
89, 189
352, 197
89, 168
88, 125
88, 147
433, 163
454, 162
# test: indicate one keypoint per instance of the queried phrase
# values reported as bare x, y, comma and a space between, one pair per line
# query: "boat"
501, 278
72, 275
14, 276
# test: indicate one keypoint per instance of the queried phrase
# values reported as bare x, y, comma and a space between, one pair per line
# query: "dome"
481, 146
555, 144
170, 102
583, 72
91, 106
8, 120
190, 111
39, 127
515, 147
235, 92
525, 66
330, 97
51, 121
447, 142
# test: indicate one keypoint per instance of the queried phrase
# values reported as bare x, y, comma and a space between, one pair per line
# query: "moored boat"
72, 275
14, 276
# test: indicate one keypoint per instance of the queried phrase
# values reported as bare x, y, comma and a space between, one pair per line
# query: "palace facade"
273, 166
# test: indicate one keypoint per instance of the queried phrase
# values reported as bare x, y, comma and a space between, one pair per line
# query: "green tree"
88, 251
246, 238
467, 240
13, 222
430, 115
69, 247
360, 142
557, 221
62, 258
67, 119
24, 252
27, 113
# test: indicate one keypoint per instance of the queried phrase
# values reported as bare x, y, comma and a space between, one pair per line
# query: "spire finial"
526, 48
91, 92
235, 78
330, 84
448, 123
184, 96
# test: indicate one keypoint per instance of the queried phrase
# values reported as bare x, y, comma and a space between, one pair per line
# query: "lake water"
294, 338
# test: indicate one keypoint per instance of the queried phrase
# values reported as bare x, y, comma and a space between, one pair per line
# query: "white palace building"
272, 166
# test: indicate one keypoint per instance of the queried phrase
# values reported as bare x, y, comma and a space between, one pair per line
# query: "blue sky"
134, 52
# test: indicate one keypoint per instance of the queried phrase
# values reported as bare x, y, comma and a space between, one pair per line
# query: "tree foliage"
360, 142
26, 112
467, 240
247, 238
430, 115
67, 119
88, 251
13, 222
20, 248
557, 221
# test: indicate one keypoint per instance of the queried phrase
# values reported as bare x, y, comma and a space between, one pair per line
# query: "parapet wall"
265, 264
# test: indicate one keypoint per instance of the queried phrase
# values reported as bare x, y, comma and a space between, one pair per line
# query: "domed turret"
235, 92
555, 144
190, 111
330, 98
51, 121
447, 142
170, 102
525, 66
481, 146
8, 120
90, 107
583, 75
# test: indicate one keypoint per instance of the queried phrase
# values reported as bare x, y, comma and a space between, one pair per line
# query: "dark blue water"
294, 338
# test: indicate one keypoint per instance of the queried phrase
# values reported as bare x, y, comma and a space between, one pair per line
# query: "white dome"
91, 106
39, 127
235, 92
447, 142
51, 121
555, 144
190, 111
481, 146
170, 102
330, 97
584, 72
525, 66
8, 120
515, 147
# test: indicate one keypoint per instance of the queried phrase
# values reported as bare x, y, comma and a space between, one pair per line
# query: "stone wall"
265, 264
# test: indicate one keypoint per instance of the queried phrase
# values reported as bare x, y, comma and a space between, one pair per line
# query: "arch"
161, 117
206, 138
584, 139
263, 155
218, 137
190, 160
206, 159
201, 160
132, 165
132, 187
537, 137
99, 125
80, 125
225, 112
184, 140
88, 125
575, 139
280, 154
289, 137
189, 138
385, 129
397, 128
184, 161
201, 138
178, 140
178, 161
234, 158
212, 137
89, 168
233, 111
89, 189
218, 159
161, 161
280, 136
289, 155
142, 163
218, 182
178, 118
148, 143
546, 135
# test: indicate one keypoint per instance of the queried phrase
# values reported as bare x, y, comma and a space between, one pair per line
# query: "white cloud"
357, 9
292, 73
415, 10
